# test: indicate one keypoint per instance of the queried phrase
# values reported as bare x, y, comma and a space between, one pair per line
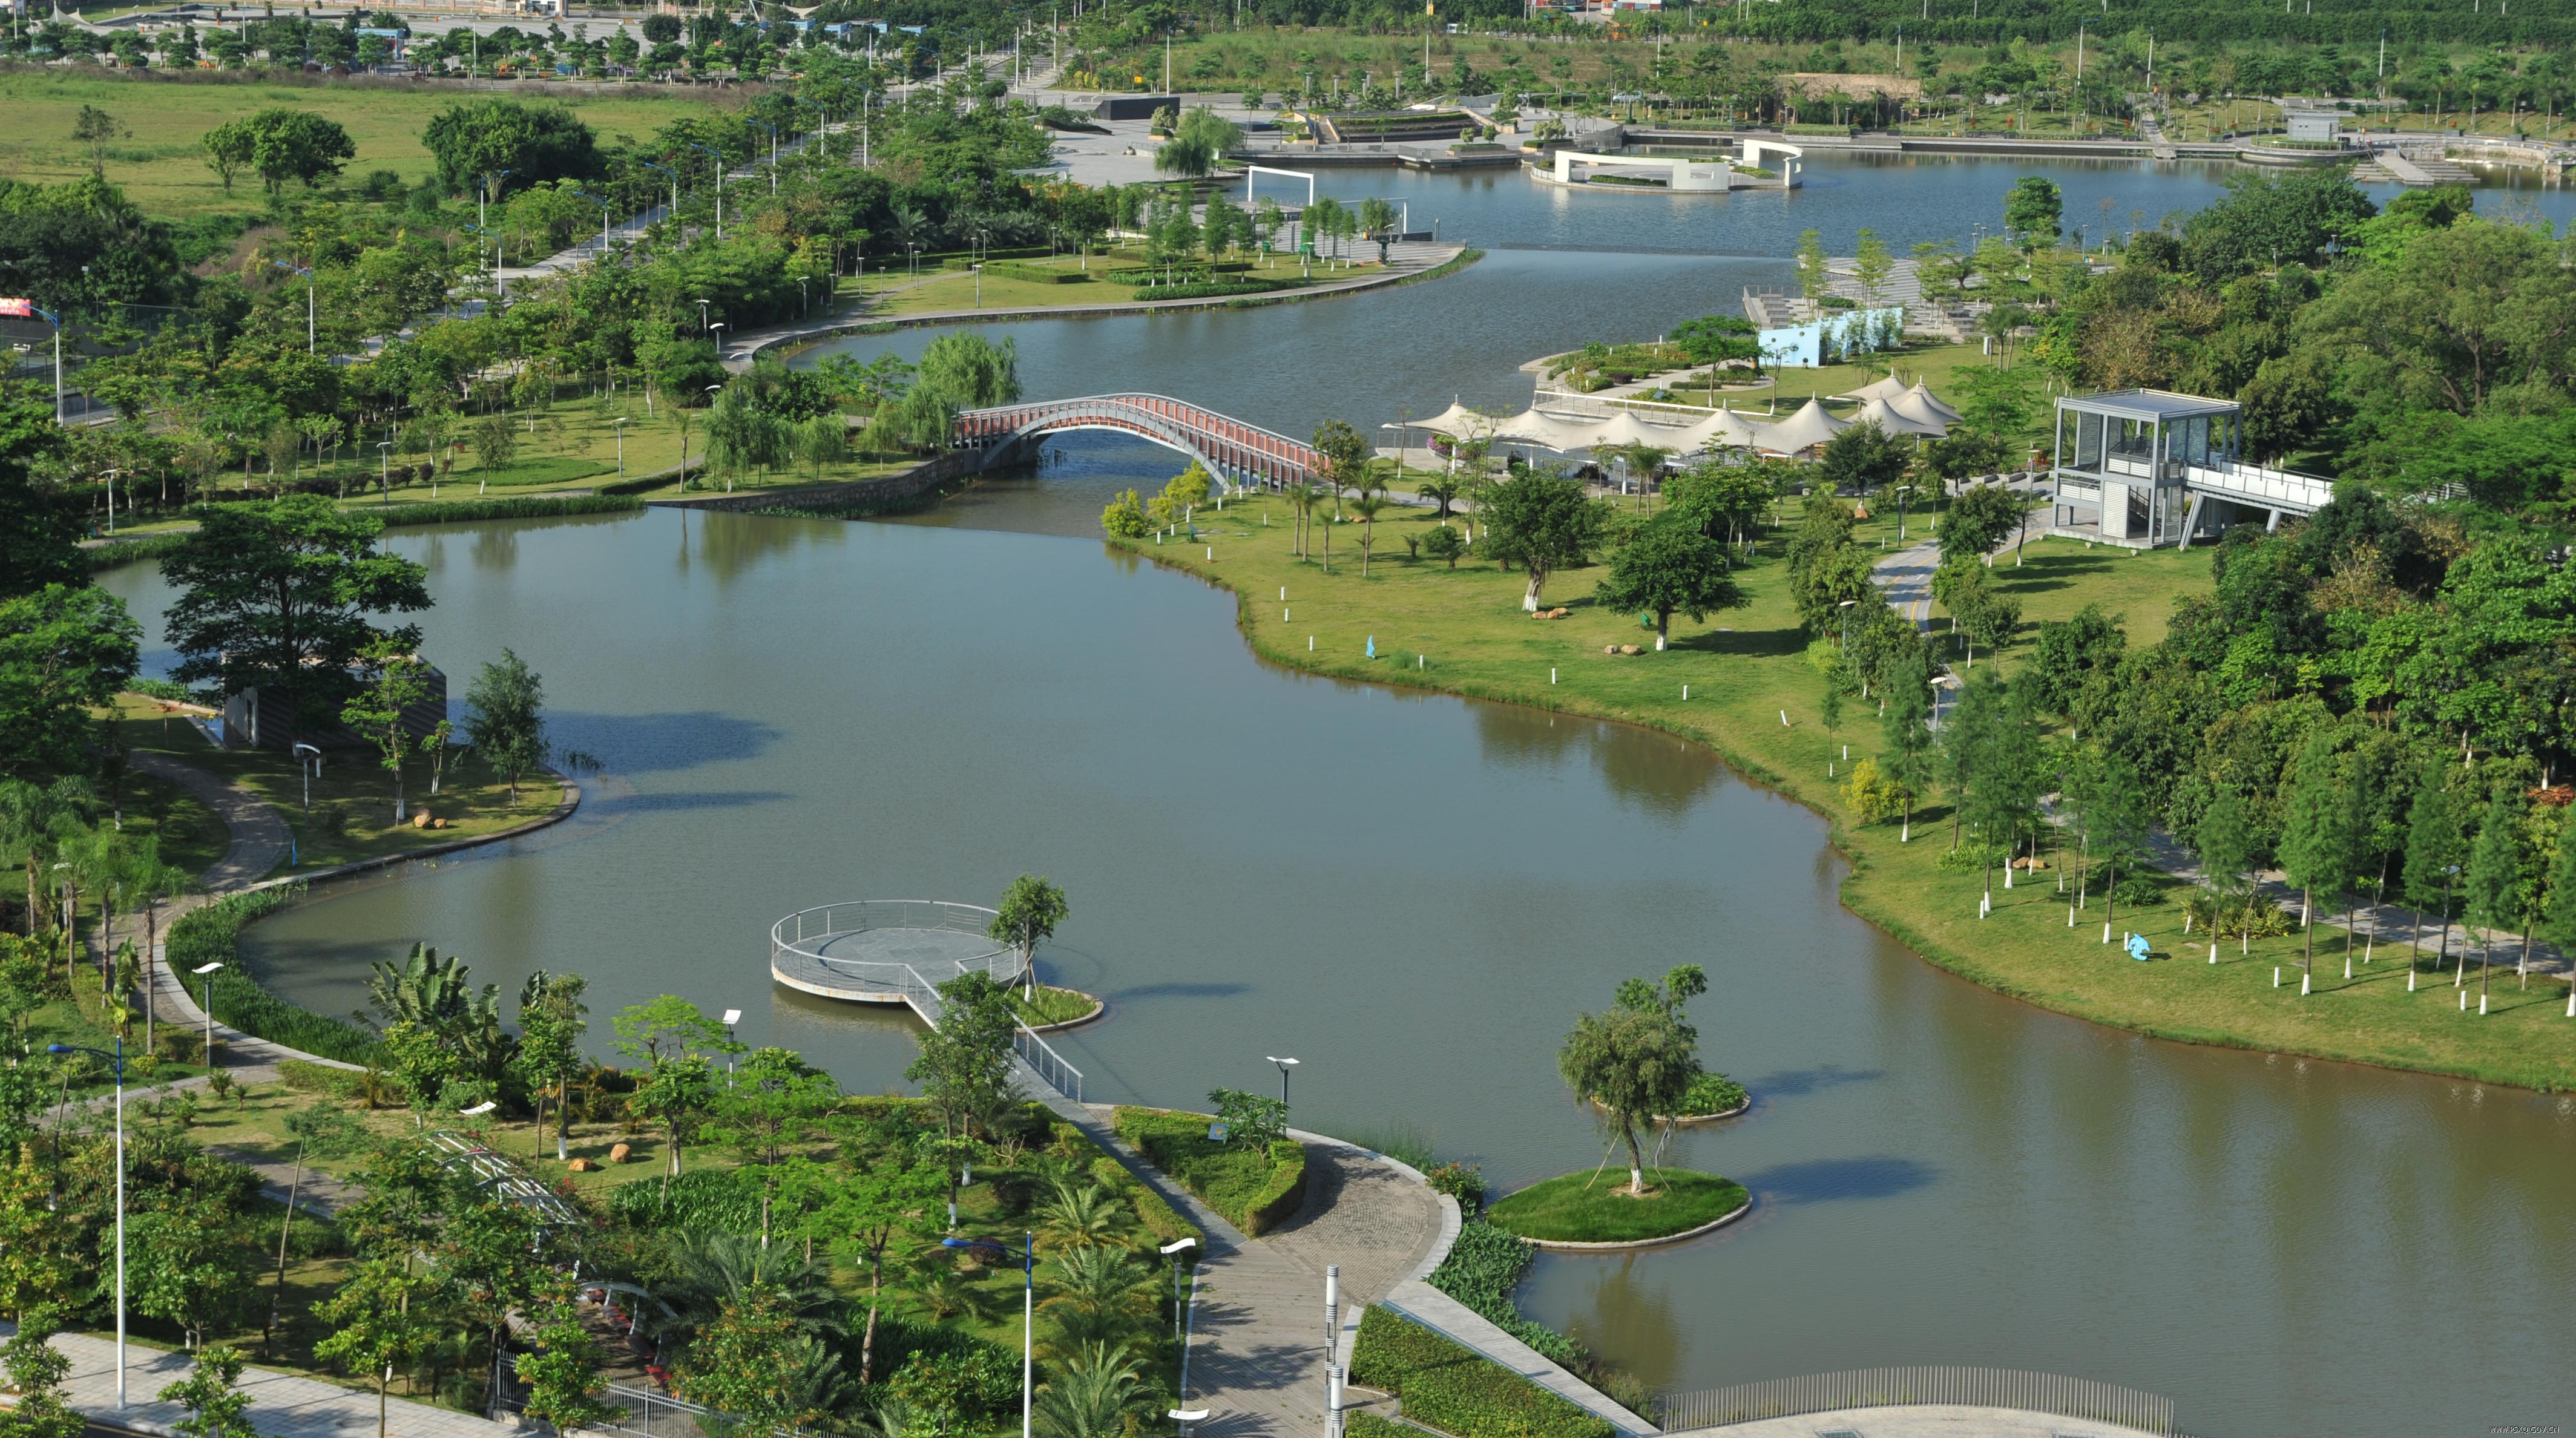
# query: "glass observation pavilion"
2129, 456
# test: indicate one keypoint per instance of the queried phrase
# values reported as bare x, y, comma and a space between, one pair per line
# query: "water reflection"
1629, 1311
660, 743
1657, 773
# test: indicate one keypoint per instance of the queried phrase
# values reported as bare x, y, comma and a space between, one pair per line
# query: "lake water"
1414, 895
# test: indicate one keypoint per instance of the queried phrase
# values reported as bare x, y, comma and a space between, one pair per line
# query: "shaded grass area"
1592, 1206
1454, 1389
1253, 1187
352, 810
1462, 631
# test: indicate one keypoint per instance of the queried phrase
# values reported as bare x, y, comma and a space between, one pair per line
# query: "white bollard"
2482, 1006
1310, 643
1284, 613
1417, 661
1784, 718
2464, 1001
2276, 976
2106, 933
2410, 987
1283, 594
2070, 916
1211, 551
1846, 753
1685, 693
1551, 674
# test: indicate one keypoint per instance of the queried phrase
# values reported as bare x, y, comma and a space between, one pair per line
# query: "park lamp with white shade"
207, 972
1173, 1251
116, 1058
1284, 1066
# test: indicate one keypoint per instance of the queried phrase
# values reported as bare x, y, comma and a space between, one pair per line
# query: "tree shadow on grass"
1751, 642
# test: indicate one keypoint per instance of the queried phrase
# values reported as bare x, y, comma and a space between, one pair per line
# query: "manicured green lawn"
1590, 1207
1053, 1006
161, 164
1747, 668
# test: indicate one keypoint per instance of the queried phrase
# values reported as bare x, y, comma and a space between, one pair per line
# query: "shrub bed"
533, 506
1212, 289
1035, 274
704, 1201
1254, 1188
213, 935
1582, 1207
1481, 1270
1457, 1390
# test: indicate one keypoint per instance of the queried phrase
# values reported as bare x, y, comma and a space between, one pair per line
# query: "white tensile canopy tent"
1808, 428
1624, 428
1546, 431
1895, 421
1921, 397
1886, 387
1457, 422
1724, 429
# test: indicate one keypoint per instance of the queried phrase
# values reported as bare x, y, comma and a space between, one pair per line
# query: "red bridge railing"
1237, 452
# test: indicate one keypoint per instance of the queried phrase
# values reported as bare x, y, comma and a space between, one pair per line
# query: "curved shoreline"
795, 340
1861, 907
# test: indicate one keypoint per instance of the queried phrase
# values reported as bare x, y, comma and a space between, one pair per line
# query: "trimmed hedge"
1035, 274
130, 551
1457, 1390
1213, 289
213, 935
534, 506
1254, 1189
1159, 1218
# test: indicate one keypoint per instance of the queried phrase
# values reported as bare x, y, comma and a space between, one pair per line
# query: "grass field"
1462, 631
1582, 1207
352, 814
899, 292
162, 167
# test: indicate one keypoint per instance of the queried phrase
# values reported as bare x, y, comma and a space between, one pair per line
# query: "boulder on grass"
620, 1153
581, 1165
420, 819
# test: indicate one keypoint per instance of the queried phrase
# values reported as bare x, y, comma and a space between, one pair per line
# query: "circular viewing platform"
887, 951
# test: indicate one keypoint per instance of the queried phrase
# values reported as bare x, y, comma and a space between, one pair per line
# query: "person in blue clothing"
2138, 947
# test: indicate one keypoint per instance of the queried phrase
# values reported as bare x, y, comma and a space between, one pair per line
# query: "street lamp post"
385, 469
620, 422
675, 186
1284, 1066
308, 300
306, 754
720, 169
1902, 490
702, 316
207, 972
1173, 1251
118, 1059
1028, 1310
1845, 606
731, 1017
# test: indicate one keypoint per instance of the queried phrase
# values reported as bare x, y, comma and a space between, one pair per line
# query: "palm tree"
1099, 1280
1367, 507
1301, 502
1083, 1217
712, 1270
1096, 1395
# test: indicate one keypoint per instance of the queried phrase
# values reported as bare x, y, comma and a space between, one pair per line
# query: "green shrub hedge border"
213, 935
1176, 1142
1458, 1390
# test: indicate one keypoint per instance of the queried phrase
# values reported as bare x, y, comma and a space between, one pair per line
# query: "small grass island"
1595, 1206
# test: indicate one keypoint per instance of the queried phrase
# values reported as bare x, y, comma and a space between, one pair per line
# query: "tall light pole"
620, 422
1902, 490
207, 972
308, 300
1173, 1252
720, 169
1845, 606
1028, 1310
675, 186
731, 1017
1284, 1066
702, 316
118, 1059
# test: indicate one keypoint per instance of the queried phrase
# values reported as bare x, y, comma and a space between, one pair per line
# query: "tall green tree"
2320, 848
505, 718
2436, 845
479, 139
1543, 523
394, 683
2032, 209
881, 1199
39, 1373
1670, 566
2491, 891
1030, 909
1636, 1060
566, 1390
552, 1019
64, 652
378, 1321
676, 1041
282, 597
1906, 737
964, 1067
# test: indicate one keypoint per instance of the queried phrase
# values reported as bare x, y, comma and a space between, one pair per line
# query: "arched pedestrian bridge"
1239, 454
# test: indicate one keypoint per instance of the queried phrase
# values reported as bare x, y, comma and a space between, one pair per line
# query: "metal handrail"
1046, 1063
1893, 1387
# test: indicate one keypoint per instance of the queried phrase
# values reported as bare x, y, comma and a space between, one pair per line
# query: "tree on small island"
1031, 908
1637, 1060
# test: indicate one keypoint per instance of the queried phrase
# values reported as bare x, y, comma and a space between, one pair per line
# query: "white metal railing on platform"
1889, 1387
2262, 484
806, 933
